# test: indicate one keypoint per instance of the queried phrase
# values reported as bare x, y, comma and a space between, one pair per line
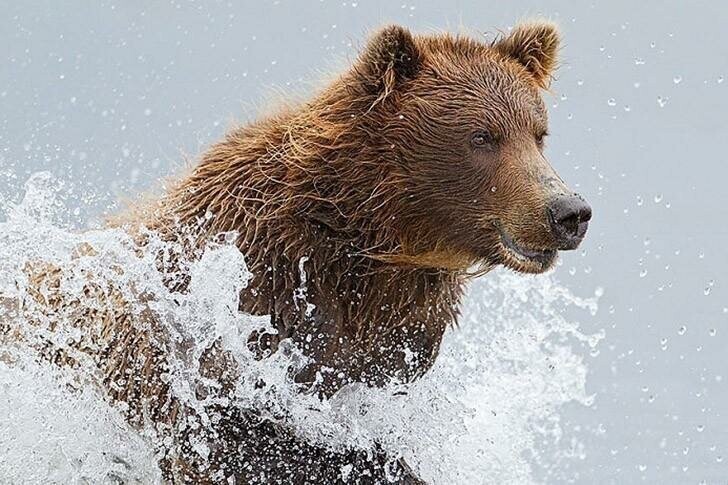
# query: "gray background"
111, 96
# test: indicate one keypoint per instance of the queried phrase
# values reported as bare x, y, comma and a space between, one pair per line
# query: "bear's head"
462, 125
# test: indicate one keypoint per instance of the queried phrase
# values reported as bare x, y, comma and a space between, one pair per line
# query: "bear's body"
360, 214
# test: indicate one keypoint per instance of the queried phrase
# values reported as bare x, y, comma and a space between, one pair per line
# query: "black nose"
569, 216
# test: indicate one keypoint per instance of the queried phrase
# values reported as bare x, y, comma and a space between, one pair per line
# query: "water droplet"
682, 330
611, 102
700, 428
712, 332
658, 198
639, 201
708, 288
677, 79
662, 101
627, 108
720, 79
643, 273
639, 61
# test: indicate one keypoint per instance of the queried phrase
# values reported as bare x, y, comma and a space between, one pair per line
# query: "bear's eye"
481, 139
541, 138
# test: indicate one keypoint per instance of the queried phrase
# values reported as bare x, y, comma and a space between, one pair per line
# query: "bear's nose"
569, 216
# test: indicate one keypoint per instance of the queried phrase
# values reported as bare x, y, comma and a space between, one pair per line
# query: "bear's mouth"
523, 259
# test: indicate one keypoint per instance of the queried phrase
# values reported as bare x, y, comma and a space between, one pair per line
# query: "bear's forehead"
484, 95
469, 76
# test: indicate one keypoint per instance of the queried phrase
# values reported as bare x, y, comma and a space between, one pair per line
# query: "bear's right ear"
390, 57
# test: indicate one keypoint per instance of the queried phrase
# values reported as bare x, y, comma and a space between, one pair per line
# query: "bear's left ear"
390, 58
535, 45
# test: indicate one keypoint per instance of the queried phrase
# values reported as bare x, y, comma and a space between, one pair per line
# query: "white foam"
50, 433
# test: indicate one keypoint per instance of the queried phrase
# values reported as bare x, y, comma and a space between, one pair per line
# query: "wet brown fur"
374, 183
373, 188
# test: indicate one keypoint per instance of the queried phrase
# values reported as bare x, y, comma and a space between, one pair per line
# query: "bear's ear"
535, 45
390, 57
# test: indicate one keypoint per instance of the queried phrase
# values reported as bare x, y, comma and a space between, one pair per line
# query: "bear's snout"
569, 216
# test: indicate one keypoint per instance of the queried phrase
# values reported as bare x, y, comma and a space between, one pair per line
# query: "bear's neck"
313, 208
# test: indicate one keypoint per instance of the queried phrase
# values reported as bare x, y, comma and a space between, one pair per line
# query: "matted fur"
373, 187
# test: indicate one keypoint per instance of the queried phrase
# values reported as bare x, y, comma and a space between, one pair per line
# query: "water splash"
481, 415
51, 433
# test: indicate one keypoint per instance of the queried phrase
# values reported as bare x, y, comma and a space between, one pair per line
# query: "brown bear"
415, 170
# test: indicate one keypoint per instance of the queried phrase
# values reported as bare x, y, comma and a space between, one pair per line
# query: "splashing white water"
50, 433
481, 415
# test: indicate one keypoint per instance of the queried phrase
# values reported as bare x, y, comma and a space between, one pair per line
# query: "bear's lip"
524, 259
